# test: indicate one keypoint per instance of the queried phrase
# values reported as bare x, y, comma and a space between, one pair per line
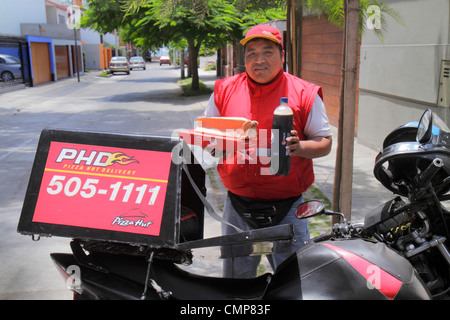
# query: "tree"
154, 23
104, 16
212, 23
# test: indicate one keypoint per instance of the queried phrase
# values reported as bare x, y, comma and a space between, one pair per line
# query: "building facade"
408, 72
54, 51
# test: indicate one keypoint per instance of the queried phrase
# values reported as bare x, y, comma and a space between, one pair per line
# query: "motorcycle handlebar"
428, 174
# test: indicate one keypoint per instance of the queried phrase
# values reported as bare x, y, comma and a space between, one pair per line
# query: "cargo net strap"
206, 203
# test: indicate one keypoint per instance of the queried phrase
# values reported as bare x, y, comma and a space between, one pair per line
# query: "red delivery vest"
240, 96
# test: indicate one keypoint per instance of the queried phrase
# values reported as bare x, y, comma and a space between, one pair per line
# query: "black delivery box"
114, 187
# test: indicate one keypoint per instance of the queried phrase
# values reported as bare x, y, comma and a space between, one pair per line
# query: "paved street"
145, 102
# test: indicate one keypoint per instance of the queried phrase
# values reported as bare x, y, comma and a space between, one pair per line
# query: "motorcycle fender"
347, 269
95, 285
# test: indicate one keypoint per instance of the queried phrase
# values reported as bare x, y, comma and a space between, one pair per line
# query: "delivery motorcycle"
399, 252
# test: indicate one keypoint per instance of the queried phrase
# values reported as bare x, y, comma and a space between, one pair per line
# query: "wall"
92, 56
322, 49
55, 31
399, 78
32, 12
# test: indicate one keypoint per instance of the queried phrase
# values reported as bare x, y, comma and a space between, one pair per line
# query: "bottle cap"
284, 100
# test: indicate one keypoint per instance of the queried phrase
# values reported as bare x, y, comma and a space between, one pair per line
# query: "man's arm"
312, 148
317, 132
211, 109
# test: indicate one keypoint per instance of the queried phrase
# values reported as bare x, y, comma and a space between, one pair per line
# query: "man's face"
263, 60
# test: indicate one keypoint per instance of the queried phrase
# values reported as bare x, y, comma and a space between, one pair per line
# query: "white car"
165, 60
137, 62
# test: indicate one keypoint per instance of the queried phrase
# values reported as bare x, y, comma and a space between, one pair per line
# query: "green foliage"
210, 67
193, 23
212, 23
186, 86
334, 11
103, 16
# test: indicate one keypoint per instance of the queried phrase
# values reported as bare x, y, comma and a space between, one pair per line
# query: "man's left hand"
310, 148
293, 144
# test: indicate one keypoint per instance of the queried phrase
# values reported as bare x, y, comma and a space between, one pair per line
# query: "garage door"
62, 62
40, 57
74, 61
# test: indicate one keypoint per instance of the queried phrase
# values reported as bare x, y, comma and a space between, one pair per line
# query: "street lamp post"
73, 22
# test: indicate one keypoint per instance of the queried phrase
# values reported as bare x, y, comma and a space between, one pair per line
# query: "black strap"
207, 205
261, 214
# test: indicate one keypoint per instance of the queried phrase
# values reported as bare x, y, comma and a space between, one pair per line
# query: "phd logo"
94, 158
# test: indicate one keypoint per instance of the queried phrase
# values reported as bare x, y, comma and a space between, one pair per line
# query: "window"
61, 19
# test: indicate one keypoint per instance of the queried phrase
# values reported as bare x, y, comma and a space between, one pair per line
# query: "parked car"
137, 62
165, 60
119, 64
10, 68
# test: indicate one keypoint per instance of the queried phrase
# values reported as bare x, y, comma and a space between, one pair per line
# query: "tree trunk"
193, 56
288, 44
298, 14
182, 64
293, 45
189, 73
346, 130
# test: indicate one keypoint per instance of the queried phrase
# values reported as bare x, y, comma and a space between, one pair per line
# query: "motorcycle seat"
182, 284
187, 286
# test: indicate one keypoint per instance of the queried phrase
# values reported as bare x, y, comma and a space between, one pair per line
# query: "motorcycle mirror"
310, 208
425, 126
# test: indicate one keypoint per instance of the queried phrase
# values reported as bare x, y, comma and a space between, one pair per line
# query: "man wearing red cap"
255, 94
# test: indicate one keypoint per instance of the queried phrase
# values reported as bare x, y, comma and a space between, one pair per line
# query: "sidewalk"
367, 192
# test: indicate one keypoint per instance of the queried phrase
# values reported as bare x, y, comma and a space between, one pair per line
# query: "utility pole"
74, 22
342, 193
76, 54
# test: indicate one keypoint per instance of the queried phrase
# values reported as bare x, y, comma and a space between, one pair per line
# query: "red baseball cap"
263, 31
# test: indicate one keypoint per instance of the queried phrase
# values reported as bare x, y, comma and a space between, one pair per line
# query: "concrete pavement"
367, 192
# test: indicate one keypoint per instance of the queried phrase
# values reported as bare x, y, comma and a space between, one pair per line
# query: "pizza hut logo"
132, 219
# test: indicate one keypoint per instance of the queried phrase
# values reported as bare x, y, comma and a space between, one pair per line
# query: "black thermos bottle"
282, 124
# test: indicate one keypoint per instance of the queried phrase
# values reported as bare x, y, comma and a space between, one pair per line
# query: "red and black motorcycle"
399, 252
